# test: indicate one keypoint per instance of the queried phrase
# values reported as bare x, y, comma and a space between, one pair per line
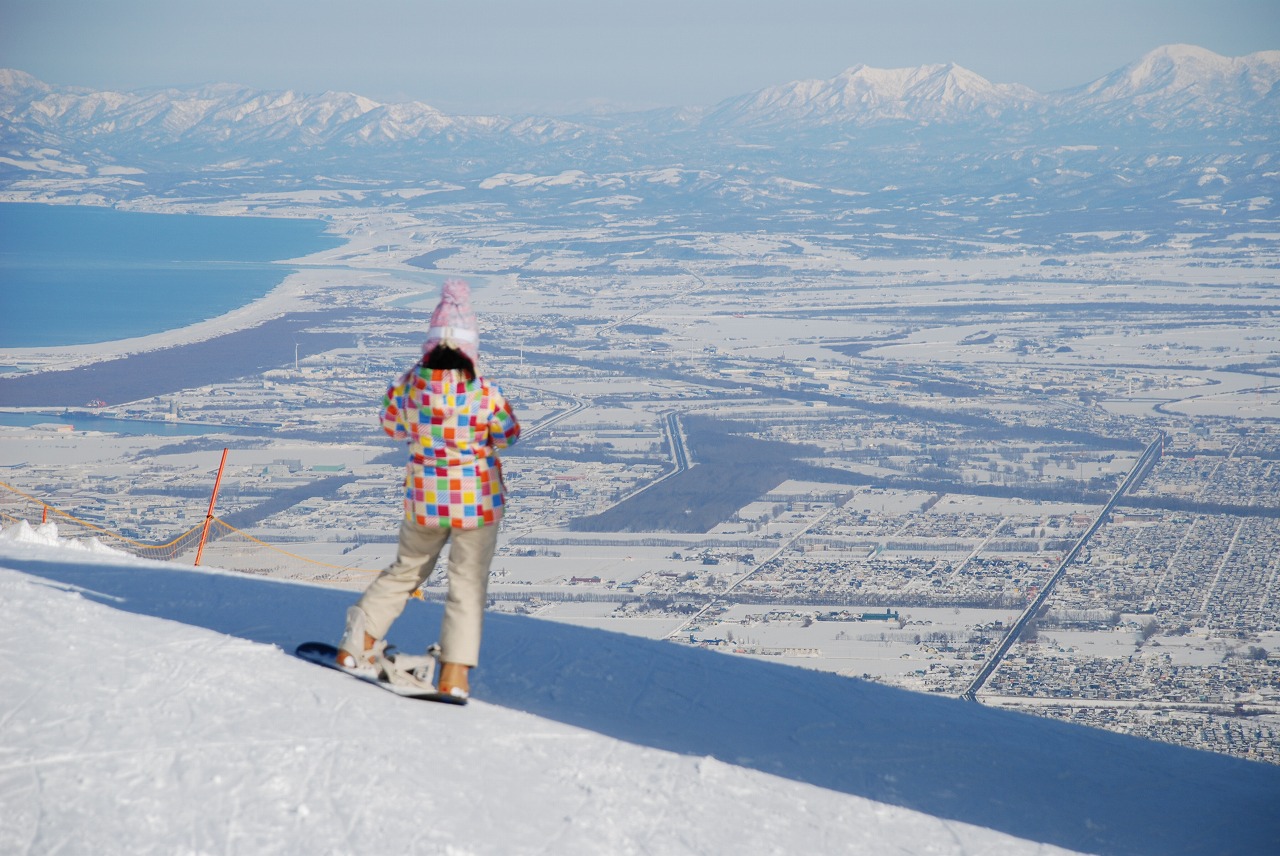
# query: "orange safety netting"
225, 547
234, 549
16, 505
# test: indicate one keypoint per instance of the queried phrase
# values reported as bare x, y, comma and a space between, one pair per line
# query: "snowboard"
324, 654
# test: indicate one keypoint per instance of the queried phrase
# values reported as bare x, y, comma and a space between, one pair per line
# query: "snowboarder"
454, 421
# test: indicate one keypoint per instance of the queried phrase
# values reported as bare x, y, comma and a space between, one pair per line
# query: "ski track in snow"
185, 729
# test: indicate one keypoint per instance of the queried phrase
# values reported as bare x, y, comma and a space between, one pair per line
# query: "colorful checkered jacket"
454, 428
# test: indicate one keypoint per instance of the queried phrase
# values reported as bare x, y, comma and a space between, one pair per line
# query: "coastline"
287, 297
297, 275
181, 365
356, 276
249, 339
245, 342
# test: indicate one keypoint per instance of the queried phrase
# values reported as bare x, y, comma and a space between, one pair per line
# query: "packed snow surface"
152, 708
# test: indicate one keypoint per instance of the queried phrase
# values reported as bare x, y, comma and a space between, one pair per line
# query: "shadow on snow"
1038, 779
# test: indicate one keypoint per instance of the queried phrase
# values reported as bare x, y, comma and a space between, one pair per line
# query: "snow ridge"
224, 114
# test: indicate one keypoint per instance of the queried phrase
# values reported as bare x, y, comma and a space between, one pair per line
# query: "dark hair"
444, 357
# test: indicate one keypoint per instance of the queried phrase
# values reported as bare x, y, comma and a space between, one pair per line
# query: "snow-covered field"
150, 708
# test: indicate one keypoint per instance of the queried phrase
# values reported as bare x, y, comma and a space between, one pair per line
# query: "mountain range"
1180, 123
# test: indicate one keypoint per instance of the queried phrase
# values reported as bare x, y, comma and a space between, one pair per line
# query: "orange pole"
208, 518
44, 513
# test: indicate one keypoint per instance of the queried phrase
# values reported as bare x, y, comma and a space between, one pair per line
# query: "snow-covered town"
934, 474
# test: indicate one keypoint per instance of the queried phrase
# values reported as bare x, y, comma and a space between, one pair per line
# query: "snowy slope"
148, 708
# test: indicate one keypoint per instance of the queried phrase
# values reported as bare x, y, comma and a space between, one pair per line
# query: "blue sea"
72, 275
82, 420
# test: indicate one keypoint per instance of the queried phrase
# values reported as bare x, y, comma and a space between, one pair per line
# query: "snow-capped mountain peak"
863, 94
13, 80
1181, 79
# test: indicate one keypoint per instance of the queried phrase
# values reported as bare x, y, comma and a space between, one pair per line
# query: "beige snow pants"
470, 553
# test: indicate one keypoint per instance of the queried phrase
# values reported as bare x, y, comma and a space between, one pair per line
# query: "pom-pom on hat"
453, 324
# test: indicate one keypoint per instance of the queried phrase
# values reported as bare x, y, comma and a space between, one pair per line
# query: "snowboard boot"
358, 651
453, 680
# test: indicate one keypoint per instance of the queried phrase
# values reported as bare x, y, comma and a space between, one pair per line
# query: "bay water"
76, 274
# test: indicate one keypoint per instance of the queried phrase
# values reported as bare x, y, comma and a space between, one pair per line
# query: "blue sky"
555, 56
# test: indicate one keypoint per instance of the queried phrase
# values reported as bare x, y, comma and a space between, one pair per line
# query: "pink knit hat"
453, 324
